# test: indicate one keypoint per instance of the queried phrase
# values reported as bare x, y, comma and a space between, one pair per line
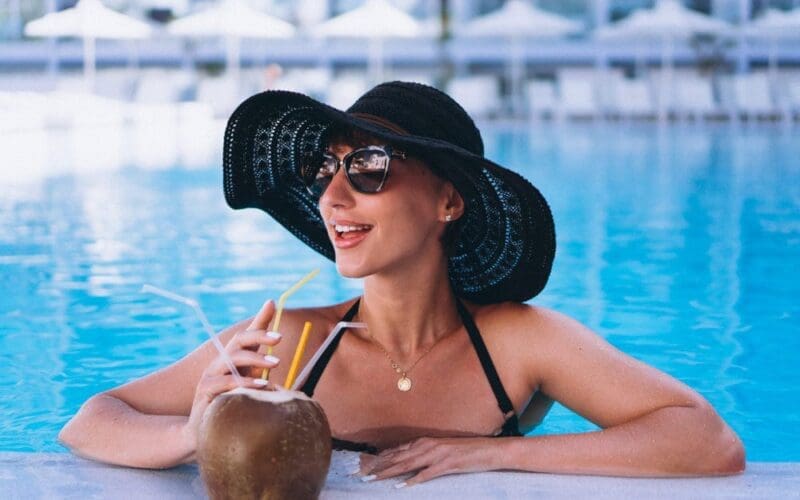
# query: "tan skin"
652, 425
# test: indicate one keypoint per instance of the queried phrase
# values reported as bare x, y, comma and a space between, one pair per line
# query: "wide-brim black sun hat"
506, 239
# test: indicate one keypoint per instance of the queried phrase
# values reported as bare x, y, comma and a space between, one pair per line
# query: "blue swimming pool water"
681, 246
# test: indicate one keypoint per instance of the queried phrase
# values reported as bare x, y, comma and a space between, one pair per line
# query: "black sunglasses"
366, 169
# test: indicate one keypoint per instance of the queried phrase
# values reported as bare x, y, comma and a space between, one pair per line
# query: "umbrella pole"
772, 59
89, 63
375, 60
516, 75
232, 59
666, 77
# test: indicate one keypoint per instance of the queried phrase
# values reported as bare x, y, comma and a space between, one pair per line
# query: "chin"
351, 271
350, 267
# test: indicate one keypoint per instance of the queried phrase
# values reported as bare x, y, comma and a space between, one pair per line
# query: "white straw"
310, 365
206, 325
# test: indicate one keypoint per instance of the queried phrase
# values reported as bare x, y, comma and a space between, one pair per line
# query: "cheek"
411, 221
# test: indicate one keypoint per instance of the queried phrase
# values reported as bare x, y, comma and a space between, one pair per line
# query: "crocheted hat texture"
506, 241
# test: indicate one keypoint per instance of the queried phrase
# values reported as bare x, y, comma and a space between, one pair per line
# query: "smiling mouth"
346, 232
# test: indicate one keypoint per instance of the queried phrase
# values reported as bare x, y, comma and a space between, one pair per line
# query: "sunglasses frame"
344, 162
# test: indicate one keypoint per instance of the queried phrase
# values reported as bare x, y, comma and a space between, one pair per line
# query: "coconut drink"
264, 444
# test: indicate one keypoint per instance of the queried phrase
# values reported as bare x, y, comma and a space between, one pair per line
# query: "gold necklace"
404, 382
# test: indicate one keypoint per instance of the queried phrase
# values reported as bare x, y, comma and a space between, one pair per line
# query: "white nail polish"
274, 335
369, 478
400, 485
260, 381
270, 358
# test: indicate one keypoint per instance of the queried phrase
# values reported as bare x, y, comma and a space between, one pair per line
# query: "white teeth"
344, 229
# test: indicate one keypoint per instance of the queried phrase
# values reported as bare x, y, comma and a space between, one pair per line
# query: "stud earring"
448, 217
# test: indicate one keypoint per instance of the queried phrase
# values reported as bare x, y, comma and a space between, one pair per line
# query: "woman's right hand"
243, 350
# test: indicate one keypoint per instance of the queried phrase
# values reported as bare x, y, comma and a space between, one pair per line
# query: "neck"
409, 311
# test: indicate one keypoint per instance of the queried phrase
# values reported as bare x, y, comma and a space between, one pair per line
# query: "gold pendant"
404, 384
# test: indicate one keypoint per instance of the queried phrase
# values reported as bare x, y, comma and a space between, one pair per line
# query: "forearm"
672, 441
109, 430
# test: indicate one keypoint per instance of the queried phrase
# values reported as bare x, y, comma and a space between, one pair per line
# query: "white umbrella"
89, 20
518, 20
232, 20
374, 20
774, 24
668, 21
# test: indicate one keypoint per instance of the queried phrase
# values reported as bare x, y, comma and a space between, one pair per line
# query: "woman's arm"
652, 425
151, 422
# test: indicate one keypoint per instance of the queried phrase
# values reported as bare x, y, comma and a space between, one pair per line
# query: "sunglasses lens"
367, 169
317, 171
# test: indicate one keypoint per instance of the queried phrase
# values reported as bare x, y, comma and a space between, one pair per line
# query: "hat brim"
506, 243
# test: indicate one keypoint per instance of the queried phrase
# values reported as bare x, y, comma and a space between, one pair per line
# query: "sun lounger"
116, 83
315, 82
478, 94
632, 98
541, 98
577, 97
753, 97
694, 98
789, 93
345, 89
164, 86
221, 93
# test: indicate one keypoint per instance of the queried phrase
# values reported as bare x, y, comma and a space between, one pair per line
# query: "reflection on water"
680, 246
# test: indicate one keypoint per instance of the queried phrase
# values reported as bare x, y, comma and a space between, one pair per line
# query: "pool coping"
63, 475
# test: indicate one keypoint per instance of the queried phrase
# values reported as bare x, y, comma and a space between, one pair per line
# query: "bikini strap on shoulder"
311, 382
499, 391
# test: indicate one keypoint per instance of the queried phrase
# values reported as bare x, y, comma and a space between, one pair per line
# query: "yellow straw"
298, 353
281, 301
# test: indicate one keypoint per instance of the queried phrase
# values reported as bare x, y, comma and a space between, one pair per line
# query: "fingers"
427, 457
213, 385
253, 338
400, 460
427, 474
264, 316
241, 358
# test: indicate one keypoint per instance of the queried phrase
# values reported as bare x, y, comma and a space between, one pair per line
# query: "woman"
396, 190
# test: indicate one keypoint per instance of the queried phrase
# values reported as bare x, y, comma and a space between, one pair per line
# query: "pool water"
680, 245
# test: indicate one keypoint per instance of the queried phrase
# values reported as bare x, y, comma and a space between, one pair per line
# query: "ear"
453, 203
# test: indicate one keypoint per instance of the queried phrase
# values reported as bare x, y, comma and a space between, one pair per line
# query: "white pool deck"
62, 475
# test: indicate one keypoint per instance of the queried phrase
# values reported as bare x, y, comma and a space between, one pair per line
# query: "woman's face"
391, 229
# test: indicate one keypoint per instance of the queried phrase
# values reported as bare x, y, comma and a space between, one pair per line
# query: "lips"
349, 233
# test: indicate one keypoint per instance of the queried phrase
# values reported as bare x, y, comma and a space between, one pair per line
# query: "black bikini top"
511, 424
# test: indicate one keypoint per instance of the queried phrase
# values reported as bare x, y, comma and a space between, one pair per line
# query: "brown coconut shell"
264, 444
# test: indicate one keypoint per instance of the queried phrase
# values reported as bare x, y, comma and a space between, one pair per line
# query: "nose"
338, 193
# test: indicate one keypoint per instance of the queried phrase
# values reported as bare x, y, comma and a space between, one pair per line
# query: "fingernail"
272, 359
369, 478
400, 485
260, 381
274, 335
355, 471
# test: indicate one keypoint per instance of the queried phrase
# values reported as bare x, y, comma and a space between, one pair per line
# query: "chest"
450, 394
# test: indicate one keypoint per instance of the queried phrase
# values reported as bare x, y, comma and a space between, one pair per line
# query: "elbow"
76, 434
731, 455
65, 436
724, 452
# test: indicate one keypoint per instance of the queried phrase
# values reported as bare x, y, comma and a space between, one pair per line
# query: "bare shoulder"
525, 322
576, 366
530, 337
322, 318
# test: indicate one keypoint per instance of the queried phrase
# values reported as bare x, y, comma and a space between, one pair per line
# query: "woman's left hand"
431, 458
